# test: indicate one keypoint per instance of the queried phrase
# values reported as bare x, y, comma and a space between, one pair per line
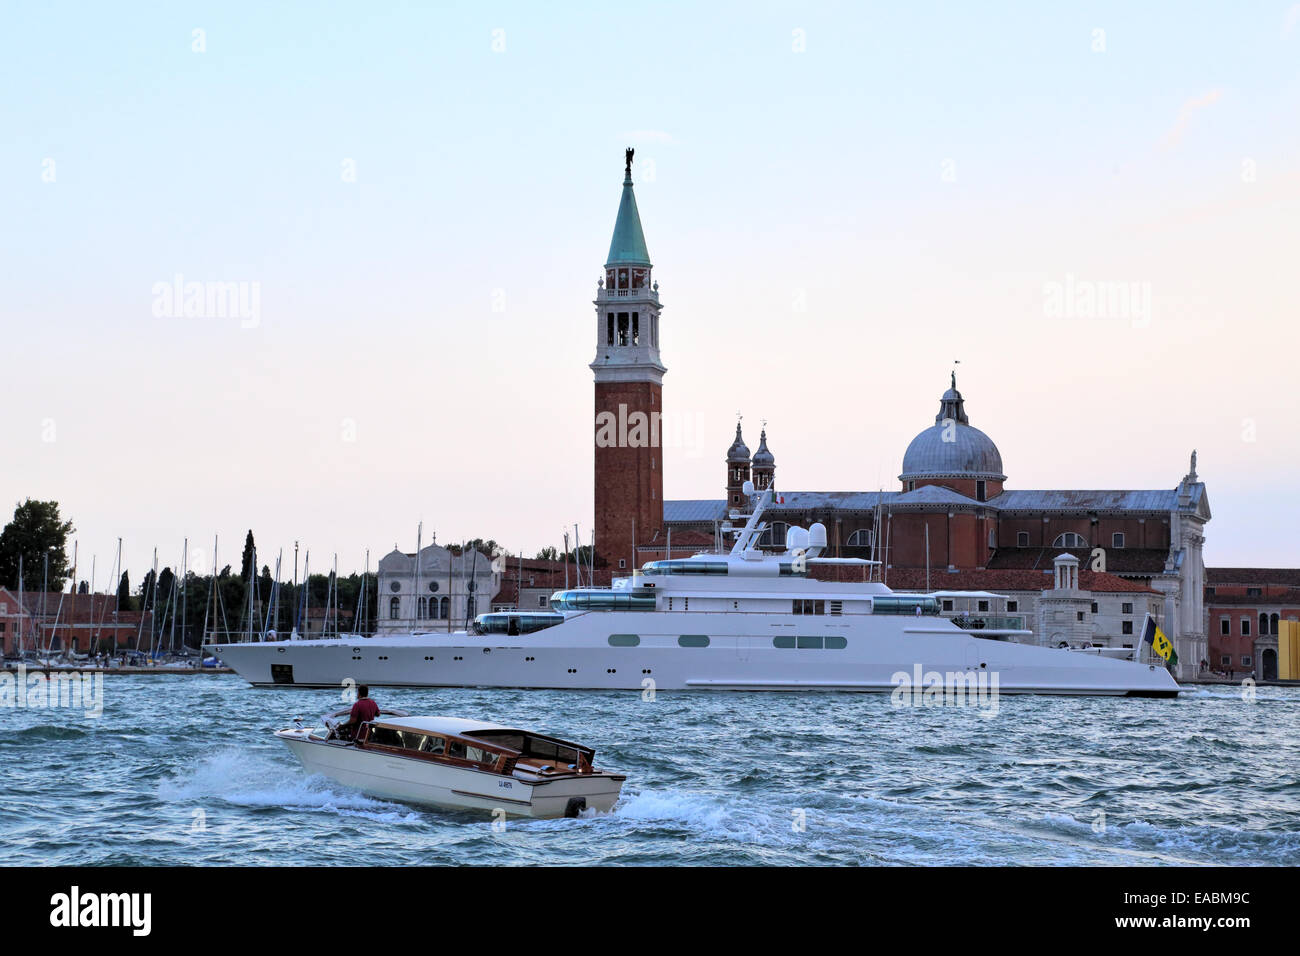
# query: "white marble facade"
438, 591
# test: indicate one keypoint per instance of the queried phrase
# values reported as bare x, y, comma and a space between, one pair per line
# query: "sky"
840, 200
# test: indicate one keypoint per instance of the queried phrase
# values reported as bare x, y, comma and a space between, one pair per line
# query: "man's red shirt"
363, 710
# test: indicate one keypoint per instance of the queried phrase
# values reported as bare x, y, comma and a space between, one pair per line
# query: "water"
184, 770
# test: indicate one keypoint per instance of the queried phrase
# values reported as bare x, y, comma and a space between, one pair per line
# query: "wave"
48, 732
233, 777
1195, 844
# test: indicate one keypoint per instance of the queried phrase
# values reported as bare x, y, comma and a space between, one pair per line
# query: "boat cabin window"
433, 745
384, 737
809, 607
479, 755
535, 747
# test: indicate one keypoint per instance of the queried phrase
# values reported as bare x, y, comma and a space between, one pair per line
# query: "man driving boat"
362, 712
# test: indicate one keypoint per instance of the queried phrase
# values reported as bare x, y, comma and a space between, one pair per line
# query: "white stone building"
433, 590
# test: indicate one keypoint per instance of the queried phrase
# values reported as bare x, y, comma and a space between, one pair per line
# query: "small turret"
764, 464
737, 470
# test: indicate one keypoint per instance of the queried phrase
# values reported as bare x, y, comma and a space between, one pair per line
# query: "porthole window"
395, 586
433, 586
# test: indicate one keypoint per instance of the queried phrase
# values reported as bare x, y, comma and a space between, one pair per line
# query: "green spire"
627, 248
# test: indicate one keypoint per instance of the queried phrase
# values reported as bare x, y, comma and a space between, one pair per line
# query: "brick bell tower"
629, 387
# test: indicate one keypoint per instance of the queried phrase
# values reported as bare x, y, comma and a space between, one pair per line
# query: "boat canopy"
515, 622
600, 599
903, 604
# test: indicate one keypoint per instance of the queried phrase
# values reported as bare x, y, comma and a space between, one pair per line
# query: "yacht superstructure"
741, 620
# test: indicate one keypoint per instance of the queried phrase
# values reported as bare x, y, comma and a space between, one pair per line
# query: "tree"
148, 592
250, 549
548, 553
124, 593
35, 532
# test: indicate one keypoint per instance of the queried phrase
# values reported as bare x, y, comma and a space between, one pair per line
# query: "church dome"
738, 451
763, 458
952, 447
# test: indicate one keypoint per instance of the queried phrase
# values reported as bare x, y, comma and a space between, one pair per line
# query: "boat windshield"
514, 622
903, 604
601, 600
684, 566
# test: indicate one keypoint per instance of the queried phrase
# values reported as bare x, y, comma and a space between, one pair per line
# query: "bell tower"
629, 384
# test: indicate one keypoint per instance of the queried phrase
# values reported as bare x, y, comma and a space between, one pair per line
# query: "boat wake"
233, 777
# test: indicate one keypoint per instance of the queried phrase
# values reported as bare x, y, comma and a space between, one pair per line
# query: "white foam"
234, 777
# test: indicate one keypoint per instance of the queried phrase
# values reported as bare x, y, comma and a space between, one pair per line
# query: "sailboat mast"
415, 581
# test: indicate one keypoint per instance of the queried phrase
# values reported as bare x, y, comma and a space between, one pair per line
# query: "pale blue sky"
795, 205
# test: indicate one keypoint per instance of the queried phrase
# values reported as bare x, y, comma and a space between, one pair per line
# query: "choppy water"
713, 779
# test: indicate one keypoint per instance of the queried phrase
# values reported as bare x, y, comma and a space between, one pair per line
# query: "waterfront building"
58, 621
1245, 608
953, 512
434, 590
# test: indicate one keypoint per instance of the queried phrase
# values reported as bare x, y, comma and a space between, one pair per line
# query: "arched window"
774, 536
1263, 623
1272, 628
859, 539
444, 608
394, 608
1069, 539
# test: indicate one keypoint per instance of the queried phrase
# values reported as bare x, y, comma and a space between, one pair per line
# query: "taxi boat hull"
425, 783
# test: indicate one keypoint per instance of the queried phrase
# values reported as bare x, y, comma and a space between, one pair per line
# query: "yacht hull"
430, 784
666, 650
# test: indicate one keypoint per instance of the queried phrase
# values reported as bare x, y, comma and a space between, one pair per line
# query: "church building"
952, 513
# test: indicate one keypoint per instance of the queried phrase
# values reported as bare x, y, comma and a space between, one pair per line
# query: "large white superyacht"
741, 620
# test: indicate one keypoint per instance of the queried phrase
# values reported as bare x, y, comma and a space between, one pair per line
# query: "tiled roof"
1154, 500
933, 495
913, 579
1150, 501
695, 509
1287, 597
1289, 577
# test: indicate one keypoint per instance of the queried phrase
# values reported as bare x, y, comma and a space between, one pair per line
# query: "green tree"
548, 553
34, 532
124, 593
147, 590
250, 549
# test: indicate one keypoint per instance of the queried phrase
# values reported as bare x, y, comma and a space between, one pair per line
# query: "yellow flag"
1162, 645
